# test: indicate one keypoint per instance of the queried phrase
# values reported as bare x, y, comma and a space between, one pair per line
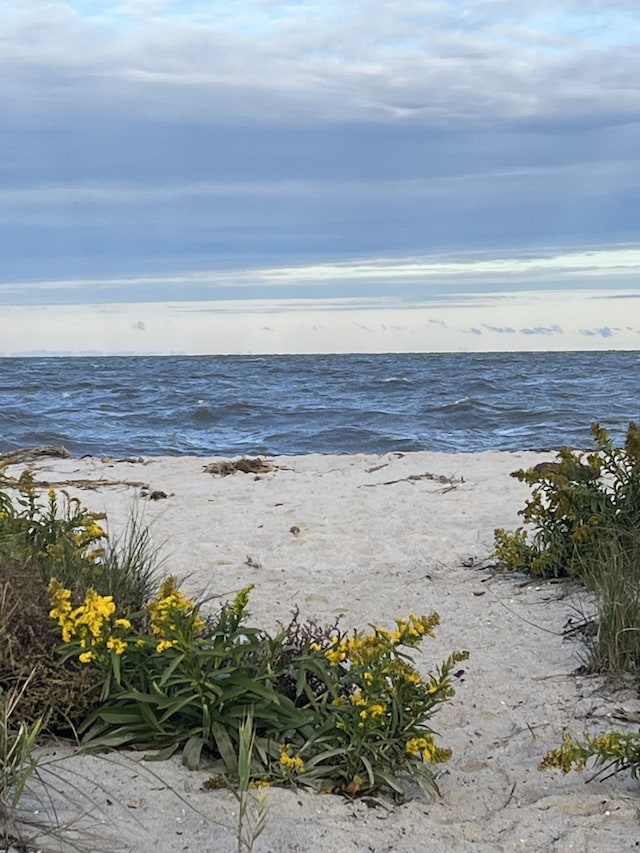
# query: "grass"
17, 762
612, 574
252, 807
131, 567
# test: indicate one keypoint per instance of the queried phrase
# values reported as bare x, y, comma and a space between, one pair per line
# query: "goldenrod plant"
576, 500
610, 753
357, 720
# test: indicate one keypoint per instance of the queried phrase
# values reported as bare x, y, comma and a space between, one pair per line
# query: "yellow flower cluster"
610, 749
89, 624
363, 649
290, 762
411, 630
375, 710
426, 747
168, 610
90, 531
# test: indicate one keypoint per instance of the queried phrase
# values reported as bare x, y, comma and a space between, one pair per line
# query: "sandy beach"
365, 538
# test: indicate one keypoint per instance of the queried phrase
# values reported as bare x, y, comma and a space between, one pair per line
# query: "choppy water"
229, 405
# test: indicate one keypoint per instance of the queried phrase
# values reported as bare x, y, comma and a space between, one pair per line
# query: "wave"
324, 404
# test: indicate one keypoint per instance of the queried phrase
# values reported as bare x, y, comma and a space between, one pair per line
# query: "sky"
204, 176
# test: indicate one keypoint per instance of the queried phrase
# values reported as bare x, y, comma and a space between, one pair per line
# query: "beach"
364, 539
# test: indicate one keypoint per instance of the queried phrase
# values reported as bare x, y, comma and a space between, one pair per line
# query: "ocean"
287, 405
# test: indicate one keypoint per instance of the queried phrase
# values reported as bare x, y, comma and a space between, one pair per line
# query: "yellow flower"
87, 657
97, 610
289, 762
94, 531
416, 745
122, 623
356, 698
94, 554
170, 602
425, 747
165, 644
117, 645
337, 652
373, 711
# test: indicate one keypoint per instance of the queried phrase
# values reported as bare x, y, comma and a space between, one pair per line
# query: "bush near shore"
93, 641
583, 522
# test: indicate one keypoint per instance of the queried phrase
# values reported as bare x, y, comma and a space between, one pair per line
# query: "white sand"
368, 550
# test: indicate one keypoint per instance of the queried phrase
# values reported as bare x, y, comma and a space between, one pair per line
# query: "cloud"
371, 59
503, 330
435, 280
603, 332
447, 155
542, 330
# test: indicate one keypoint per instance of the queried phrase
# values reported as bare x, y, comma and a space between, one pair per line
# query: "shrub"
338, 712
371, 719
58, 538
59, 694
66, 541
575, 502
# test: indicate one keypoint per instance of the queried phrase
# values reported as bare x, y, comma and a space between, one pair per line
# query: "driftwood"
244, 465
88, 484
28, 454
412, 478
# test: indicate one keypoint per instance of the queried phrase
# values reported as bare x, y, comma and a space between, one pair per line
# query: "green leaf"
390, 781
168, 672
171, 708
161, 754
427, 783
369, 769
192, 752
225, 747
120, 716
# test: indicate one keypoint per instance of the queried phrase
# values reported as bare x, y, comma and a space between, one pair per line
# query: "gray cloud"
237, 134
604, 332
428, 62
542, 330
500, 329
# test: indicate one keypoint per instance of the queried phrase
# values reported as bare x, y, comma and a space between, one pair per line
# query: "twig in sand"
376, 468
510, 797
88, 484
452, 482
